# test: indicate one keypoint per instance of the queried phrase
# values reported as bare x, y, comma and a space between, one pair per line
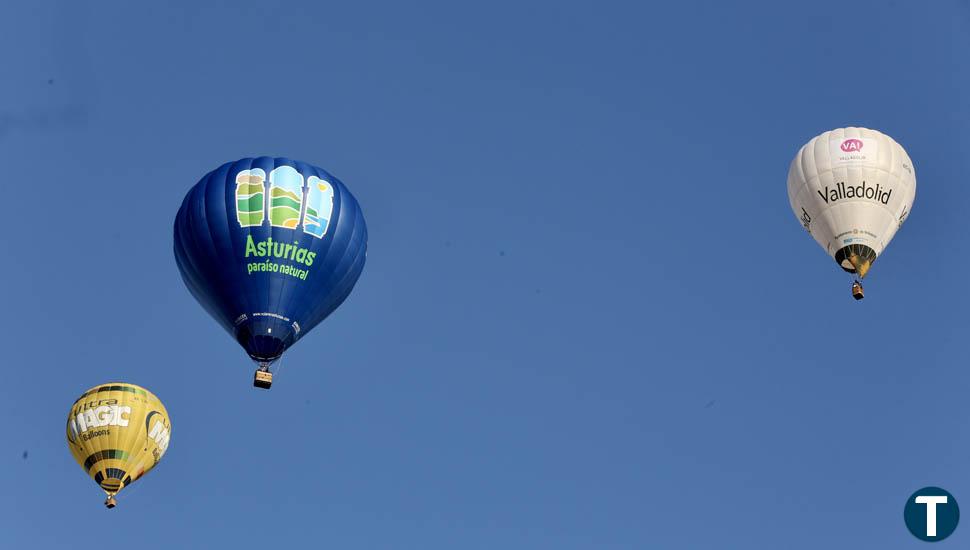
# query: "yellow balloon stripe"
104, 455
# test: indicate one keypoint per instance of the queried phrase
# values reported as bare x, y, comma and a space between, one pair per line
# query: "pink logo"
850, 145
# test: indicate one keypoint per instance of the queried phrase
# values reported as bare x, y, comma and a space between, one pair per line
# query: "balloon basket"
263, 379
110, 503
857, 291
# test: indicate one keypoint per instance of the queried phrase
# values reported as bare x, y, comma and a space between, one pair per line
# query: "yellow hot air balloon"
117, 432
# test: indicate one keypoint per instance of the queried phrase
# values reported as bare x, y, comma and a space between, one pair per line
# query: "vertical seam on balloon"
283, 280
230, 183
302, 168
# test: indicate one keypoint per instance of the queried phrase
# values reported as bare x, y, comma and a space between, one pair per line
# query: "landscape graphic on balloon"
286, 197
250, 197
319, 207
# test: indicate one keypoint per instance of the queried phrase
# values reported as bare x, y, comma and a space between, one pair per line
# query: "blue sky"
588, 319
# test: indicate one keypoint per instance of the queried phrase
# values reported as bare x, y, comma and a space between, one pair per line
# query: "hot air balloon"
117, 432
852, 189
270, 247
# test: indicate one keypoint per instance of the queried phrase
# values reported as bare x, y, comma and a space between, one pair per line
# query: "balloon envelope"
117, 432
270, 247
852, 189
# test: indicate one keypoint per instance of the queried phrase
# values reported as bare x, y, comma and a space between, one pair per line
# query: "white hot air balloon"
852, 188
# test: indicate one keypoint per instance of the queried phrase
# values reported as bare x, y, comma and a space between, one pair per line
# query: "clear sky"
588, 320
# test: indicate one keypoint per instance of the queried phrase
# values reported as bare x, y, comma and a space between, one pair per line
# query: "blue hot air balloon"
270, 247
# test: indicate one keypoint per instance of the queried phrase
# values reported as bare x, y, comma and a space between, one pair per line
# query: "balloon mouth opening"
265, 348
856, 259
111, 485
264, 339
112, 480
